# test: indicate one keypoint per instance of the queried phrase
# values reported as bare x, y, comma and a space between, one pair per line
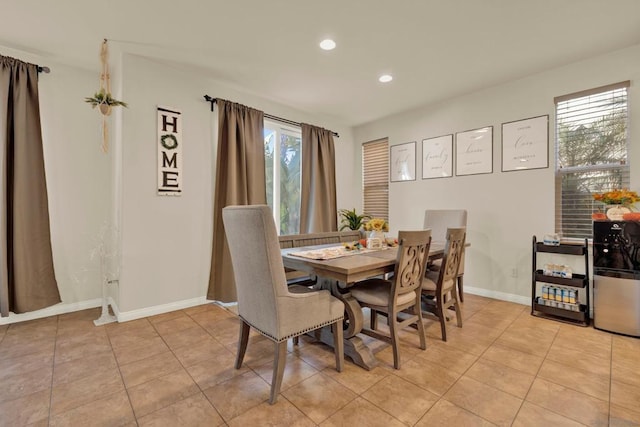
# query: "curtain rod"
268, 116
42, 69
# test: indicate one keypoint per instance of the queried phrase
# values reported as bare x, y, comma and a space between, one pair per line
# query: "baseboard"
519, 299
54, 310
125, 316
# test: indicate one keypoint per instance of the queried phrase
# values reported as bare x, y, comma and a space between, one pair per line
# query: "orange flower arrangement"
617, 197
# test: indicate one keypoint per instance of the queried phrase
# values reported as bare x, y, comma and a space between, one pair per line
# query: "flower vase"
616, 212
375, 239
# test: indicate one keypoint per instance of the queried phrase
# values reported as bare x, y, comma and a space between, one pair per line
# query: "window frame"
380, 181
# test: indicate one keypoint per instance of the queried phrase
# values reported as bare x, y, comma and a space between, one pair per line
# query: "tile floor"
504, 367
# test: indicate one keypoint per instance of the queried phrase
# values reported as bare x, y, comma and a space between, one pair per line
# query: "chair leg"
441, 316
421, 331
338, 344
393, 332
243, 340
279, 361
457, 308
374, 319
460, 286
296, 340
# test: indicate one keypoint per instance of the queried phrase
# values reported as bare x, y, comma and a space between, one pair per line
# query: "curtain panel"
27, 278
318, 206
240, 180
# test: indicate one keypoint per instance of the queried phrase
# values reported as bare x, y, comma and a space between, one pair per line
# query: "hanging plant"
104, 101
102, 98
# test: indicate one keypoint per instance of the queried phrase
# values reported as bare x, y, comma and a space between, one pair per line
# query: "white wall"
166, 241
505, 209
77, 174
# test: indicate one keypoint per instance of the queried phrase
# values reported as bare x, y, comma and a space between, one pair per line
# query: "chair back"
257, 264
451, 259
411, 264
438, 220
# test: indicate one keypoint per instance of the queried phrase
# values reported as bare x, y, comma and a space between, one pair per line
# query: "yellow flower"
377, 224
617, 197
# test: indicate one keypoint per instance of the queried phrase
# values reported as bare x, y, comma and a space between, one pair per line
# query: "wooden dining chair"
265, 303
439, 287
439, 220
399, 297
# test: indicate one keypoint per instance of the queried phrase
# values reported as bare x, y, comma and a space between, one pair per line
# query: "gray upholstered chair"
438, 220
439, 287
265, 303
399, 297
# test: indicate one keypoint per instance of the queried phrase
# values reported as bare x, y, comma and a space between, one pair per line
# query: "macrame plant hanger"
105, 87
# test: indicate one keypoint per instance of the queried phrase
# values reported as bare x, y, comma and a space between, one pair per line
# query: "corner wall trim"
54, 310
125, 316
503, 296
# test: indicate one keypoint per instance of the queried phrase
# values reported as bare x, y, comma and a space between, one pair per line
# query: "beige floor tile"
164, 317
516, 359
226, 330
295, 371
429, 376
317, 354
24, 364
625, 395
628, 345
83, 367
567, 375
360, 412
185, 337
118, 328
237, 395
194, 411
198, 308
447, 356
446, 414
502, 377
319, 396
215, 371
209, 348
531, 415
623, 417
144, 370
77, 393
485, 401
405, 401
589, 340
178, 322
161, 392
12, 347
132, 337
469, 342
74, 349
111, 410
27, 383
625, 373
356, 378
210, 316
25, 410
141, 349
522, 342
576, 357
282, 413
569, 403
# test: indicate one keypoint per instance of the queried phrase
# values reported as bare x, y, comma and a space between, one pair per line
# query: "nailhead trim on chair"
304, 331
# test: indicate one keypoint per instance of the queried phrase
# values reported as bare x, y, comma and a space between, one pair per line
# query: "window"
375, 178
591, 153
282, 153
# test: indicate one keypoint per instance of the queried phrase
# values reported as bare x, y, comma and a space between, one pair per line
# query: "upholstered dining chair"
438, 220
265, 303
399, 297
439, 287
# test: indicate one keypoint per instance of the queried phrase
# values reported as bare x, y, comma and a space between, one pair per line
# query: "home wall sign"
169, 151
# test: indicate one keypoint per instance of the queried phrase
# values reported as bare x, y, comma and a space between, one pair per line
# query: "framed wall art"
525, 144
403, 162
474, 151
437, 157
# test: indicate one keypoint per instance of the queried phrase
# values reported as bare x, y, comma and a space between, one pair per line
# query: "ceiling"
435, 49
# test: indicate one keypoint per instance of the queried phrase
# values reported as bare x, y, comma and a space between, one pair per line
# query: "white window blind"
375, 178
591, 154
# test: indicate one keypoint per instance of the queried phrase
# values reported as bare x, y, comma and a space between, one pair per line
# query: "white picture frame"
402, 160
525, 144
437, 157
474, 151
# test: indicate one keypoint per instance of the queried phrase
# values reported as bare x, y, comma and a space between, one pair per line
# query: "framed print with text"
437, 157
474, 151
403, 162
525, 144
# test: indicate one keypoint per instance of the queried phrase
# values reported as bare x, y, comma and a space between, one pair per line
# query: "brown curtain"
318, 210
27, 279
240, 180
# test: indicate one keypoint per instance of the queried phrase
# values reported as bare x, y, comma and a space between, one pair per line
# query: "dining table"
337, 273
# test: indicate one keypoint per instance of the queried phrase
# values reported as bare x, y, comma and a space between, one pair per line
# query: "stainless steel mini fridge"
616, 276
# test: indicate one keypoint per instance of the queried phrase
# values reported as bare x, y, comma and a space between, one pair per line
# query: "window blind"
375, 178
591, 154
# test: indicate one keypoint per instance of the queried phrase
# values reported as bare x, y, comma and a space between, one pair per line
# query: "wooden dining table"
337, 275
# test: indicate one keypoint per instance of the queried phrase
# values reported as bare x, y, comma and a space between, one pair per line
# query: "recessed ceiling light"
327, 44
385, 78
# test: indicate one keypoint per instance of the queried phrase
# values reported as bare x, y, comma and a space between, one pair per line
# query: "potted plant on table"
350, 220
